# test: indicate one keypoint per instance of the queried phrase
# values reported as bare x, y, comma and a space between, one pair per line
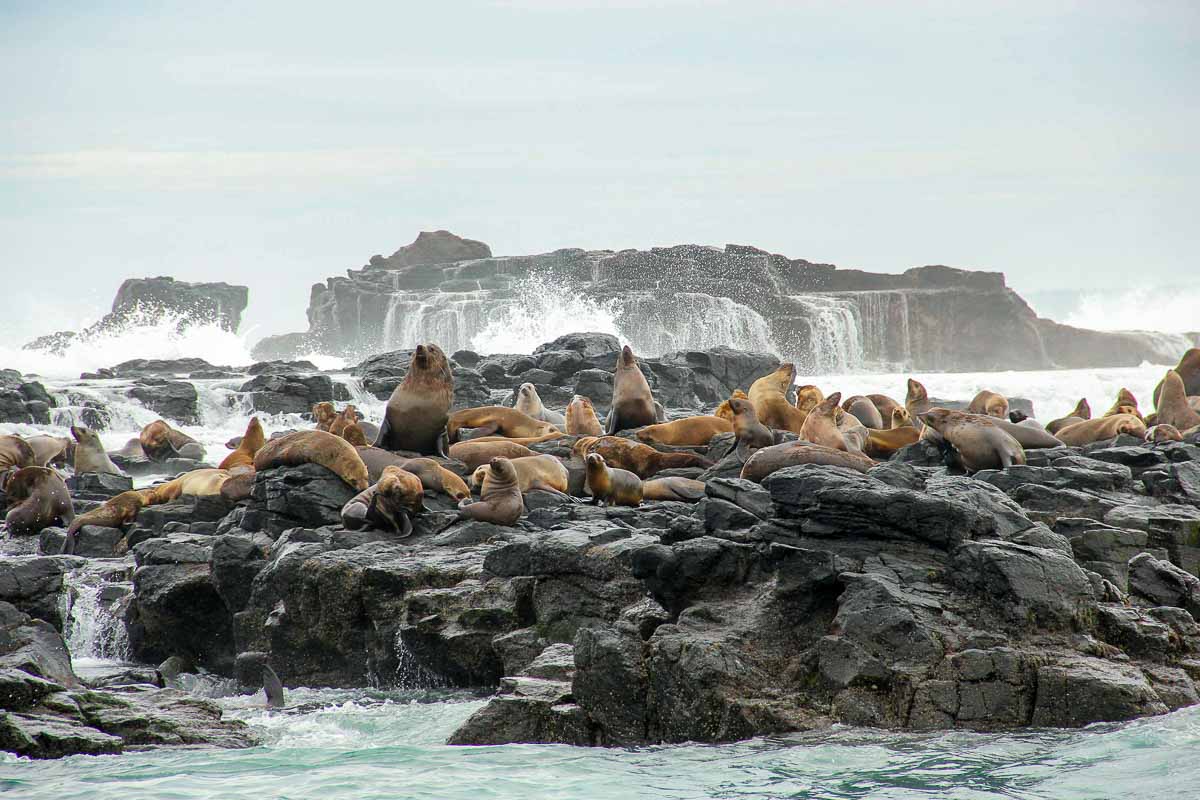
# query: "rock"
1163, 583
587, 345
290, 497
173, 400
281, 367
1028, 585
287, 393
33, 646
433, 247
1084, 690
33, 584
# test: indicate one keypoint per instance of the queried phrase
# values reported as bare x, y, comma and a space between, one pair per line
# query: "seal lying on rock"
436, 478
114, 513
688, 432
642, 460
1173, 407
864, 411
582, 419
979, 440
989, 403
160, 441
48, 450
197, 483
1163, 433
682, 490
252, 441
769, 396
498, 420
544, 472
529, 402
16, 452
1101, 429
611, 486
90, 455
387, 505
418, 409
314, 447
1125, 403
1081, 412
500, 500
791, 454
882, 443
37, 499
633, 404
474, 454
885, 405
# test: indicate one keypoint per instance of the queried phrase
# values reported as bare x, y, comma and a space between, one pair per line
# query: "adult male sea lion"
389, 504
769, 396
252, 441
980, 442
748, 433
582, 419
160, 441
1101, 429
687, 432
497, 420
545, 472
789, 454
530, 403
1188, 370
1173, 407
989, 403
37, 499
500, 500
314, 447
419, 407
864, 410
473, 453
1081, 412
90, 455
642, 460
632, 403
610, 485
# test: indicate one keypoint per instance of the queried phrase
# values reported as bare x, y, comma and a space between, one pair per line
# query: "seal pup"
979, 441
640, 459
475, 454
989, 403
544, 472
252, 441
498, 421
323, 414
1188, 370
387, 505
789, 454
748, 433
37, 499
864, 411
582, 419
1173, 407
160, 441
632, 402
529, 402
899, 418
314, 447
500, 500
419, 408
687, 432
1163, 433
1101, 429
90, 455
611, 486
769, 396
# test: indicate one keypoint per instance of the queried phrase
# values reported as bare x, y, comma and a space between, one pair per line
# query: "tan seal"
160, 441
821, 425
419, 408
632, 402
529, 402
324, 414
769, 396
899, 418
500, 500
1173, 407
979, 441
725, 410
989, 403
791, 454
1081, 412
1101, 429
881, 444
885, 405
916, 402
435, 478
475, 454
90, 455
37, 499
114, 513
497, 421
680, 490
687, 432
314, 447
252, 441
748, 433
640, 459
51, 450
1163, 433
16, 452
1125, 403
582, 419
864, 411
611, 486
544, 472
388, 505
1188, 370
197, 483
808, 397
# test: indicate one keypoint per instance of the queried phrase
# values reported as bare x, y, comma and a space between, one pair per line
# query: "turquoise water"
328, 745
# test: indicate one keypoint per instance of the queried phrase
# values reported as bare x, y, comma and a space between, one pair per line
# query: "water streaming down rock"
835, 335
883, 317
91, 601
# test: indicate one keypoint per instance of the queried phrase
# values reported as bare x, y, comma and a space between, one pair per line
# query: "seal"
113, 513
543, 472
387, 505
725, 410
474, 454
355, 435
347, 416
1081, 412
821, 427
808, 397
640, 459
679, 490
611, 486
989, 404
864, 411
37, 499
497, 420
632, 403
979, 441
769, 396
160, 441
582, 419
418, 409
47, 450
790, 454
900, 418
530, 403
376, 458
90, 455
854, 433
748, 433
884, 405
435, 478
314, 447
323, 415
688, 432
1188, 370
1173, 407
252, 441
1125, 403
500, 500
16, 452
197, 483
1163, 433
916, 402
1030, 437
881, 444
1101, 429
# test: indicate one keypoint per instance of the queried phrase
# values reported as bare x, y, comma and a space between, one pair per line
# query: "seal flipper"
660, 412
272, 686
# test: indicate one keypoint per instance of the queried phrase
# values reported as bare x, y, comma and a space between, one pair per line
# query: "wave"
1168, 310
545, 311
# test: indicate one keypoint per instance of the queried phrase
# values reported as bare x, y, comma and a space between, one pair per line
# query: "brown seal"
198, 483
388, 505
49, 450
916, 402
640, 459
1188, 370
864, 411
1101, 429
16, 452
323, 415
90, 455
544, 472
725, 410
1081, 412
354, 434
376, 458
748, 433
252, 441
37, 499
900, 418
113, 513
529, 402
688, 432
419, 407
1173, 407
989, 403
1125, 403
681, 490
1163, 433
882, 443
1030, 436
347, 416
435, 478
473, 453
854, 433
500, 500
582, 419
499, 421
885, 405
821, 427
769, 396
790, 454
979, 440
610, 486
314, 447
160, 441
632, 402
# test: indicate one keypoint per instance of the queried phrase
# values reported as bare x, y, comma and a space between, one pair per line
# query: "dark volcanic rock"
273, 393
172, 400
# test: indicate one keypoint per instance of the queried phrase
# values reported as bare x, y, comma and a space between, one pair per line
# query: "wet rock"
173, 400
33, 646
1079, 691
287, 393
1028, 585
1163, 583
33, 584
97, 486
290, 497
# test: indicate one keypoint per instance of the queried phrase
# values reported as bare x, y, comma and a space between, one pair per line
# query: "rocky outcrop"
23, 401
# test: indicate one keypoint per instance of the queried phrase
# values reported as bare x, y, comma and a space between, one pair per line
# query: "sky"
274, 144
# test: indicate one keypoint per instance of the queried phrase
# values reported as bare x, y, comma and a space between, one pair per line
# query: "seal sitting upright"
419, 407
632, 402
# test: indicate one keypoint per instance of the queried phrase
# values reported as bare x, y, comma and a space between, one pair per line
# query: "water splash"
836, 341
1169, 311
92, 627
541, 312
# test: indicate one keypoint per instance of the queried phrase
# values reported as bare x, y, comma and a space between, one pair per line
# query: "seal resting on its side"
790, 454
500, 500
37, 499
498, 421
1101, 429
688, 432
980, 442
681, 490
864, 411
1163, 433
387, 505
419, 408
314, 447
989, 404
640, 459
632, 402
543, 472
475, 454
1081, 412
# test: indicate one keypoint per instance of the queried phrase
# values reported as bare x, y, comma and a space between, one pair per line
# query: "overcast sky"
275, 144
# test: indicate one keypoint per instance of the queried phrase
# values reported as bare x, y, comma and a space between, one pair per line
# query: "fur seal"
863, 410
725, 410
1081, 412
989, 404
1125, 403
582, 419
686, 432
314, 447
89, 453
436, 478
748, 433
881, 444
1101, 429
854, 433
1188, 370
821, 427
1030, 437
474, 454
16, 452
769, 396
114, 513
611, 486
355, 435
500, 500
916, 402
347, 416
544, 472
900, 418
980, 442
529, 402
47, 450
1163, 433
323, 415
160, 441
632, 402
790, 454
419, 408
681, 490
1173, 407
388, 505
198, 483
497, 421
885, 405
808, 397
252, 441
642, 460
37, 499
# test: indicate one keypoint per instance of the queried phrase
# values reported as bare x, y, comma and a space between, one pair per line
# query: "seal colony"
777, 487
